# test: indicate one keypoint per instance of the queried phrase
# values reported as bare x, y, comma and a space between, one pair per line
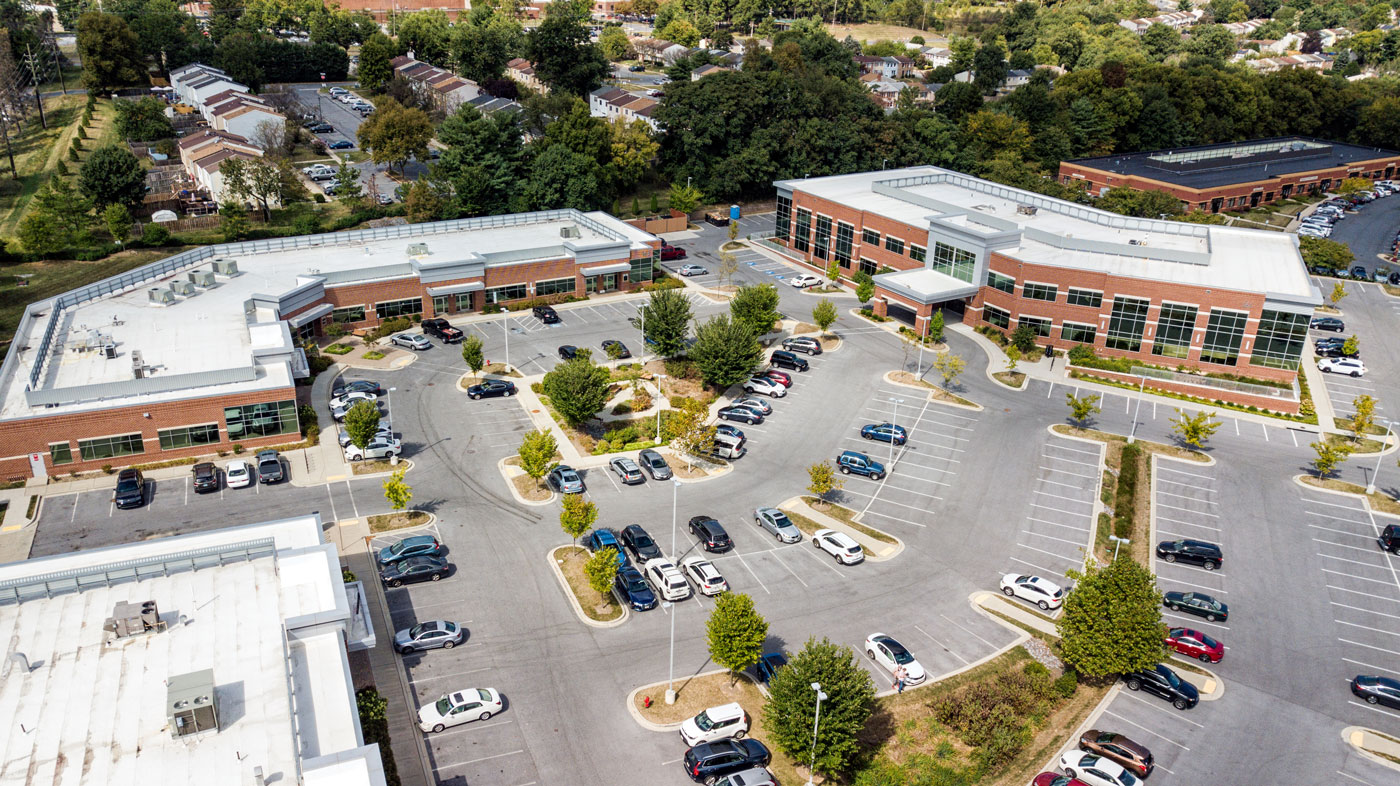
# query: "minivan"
730, 447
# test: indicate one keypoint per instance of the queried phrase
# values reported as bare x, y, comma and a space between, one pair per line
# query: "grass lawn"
1356, 446
1012, 379
37, 152
531, 489
402, 519
374, 467
602, 608
880, 32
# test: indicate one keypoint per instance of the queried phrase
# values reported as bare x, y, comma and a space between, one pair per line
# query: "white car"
805, 280
725, 722
383, 431
704, 575
777, 522
1095, 770
378, 448
416, 341
237, 475
665, 579
315, 169
347, 400
890, 654
766, 386
691, 270
1349, 366
839, 545
1042, 592
464, 706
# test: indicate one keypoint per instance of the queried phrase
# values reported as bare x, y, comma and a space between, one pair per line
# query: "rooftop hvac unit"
202, 278
1026, 210
225, 266
415, 249
138, 365
160, 296
569, 231
190, 704
132, 619
183, 288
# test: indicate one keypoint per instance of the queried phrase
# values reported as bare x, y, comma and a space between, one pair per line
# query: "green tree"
58, 218
736, 632
1112, 622
1023, 338
683, 198
578, 388
576, 515
537, 453
396, 491
1363, 416
563, 55
473, 354
375, 54
1160, 42
110, 52
482, 48
143, 120
257, 179
791, 710
423, 202
394, 133
1013, 356
361, 423
615, 44
1194, 430
347, 183
1339, 291
692, 435
949, 366
1321, 252
1353, 184
1211, 41
601, 569
681, 31
934, 330
112, 175
824, 314
865, 290
823, 480
1329, 455
665, 322
118, 221
561, 178
1351, 346
756, 307
726, 351
1142, 204
633, 149
426, 33
1082, 409
233, 222
833, 271
484, 160
728, 266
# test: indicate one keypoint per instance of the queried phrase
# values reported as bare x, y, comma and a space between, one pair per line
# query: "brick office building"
1235, 176
200, 351
1171, 294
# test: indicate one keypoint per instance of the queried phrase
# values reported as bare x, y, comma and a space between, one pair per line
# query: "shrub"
308, 417
1035, 670
319, 199
1080, 354
338, 349
1023, 337
155, 235
624, 434
1123, 504
107, 468
1066, 684
603, 446
238, 449
622, 409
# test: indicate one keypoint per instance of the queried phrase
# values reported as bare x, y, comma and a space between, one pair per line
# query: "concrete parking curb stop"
672, 727
1298, 480
573, 601
510, 484
1210, 690
974, 406
875, 551
1368, 743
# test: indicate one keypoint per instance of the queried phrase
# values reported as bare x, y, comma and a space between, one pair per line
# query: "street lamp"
671, 670
505, 328
1117, 541
1132, 433
390, 398
812, 768
893, 425
920, 372
1371, 487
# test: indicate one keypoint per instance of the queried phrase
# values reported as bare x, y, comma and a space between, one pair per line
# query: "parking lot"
1187, 509
1059, 521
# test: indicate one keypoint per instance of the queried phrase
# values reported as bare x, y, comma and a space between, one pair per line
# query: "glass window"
111, 447
440, 303
1126, 323
464, 301
61, 453
845, 233
801, 237
1224, 332
996, 316
261, 420
1041, 325
643, 269
1073, 331
559, 286
1085, 297
1279, 342
399, 308
870, 236
188, 436
508, 292
1039, 291
917, 253
954, 262
308, 331
1175, 325
894, 244
867, 266
349, 314
783, 220
822, 241
1002, 283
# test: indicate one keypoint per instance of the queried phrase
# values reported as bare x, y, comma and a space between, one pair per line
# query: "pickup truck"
440, 328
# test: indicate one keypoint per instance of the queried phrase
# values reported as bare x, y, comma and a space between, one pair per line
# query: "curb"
369, 475
672, 727
510, 484
1025, 380
875, 550
462, 383
975, 407
1213, 687
1090, 721
432, 522
1209, 462
984, 598
573, 601
1298, 480
1355, 736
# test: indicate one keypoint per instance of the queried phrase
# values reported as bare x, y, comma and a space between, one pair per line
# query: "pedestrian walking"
899, 676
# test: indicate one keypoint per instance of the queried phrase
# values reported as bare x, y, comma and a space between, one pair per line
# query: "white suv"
665, 579
765, 386
727, 721
1349, 366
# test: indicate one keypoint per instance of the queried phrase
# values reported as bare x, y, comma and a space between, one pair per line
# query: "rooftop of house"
1212, 166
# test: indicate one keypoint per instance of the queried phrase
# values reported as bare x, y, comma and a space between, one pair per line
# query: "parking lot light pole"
671, 670
1132, 433
390, 398
893, 425
1371, 487
1117, 541
505, 328
812, 768
919, 374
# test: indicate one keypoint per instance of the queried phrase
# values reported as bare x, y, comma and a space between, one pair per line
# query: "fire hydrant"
646, 702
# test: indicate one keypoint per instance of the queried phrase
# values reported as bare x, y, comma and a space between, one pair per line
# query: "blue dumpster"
733, 212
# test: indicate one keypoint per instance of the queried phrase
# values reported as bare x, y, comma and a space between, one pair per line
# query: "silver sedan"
777, 522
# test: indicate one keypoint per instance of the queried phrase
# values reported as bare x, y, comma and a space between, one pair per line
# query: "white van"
730, 447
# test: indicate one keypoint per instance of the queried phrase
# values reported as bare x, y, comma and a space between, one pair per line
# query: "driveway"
374, 178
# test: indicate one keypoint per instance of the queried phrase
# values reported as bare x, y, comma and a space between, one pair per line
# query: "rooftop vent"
1026, 210
416, 249
225, 266
202, 278
138, 365
160, 296
569, 231
190, 704
183, 288
132, 619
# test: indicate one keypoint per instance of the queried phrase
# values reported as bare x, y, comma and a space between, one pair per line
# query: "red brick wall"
861, 220
22, 437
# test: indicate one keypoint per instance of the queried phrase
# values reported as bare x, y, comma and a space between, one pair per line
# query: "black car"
1334, 350
711, 534
206, 477
1198, 603
568, 352
1390, 538
620, 352
131, 489
546, 314
639, 544
784, 359
1163, 682
343, 386
633, 588
443, 330
1191, 552
743, 414
490, 388
414, 569
769, 664
1359, 273
1327, 323
1377, 690
729, 431
323, 128
710, 760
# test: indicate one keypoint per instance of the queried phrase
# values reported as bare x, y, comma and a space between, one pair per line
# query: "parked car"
890, 655
270, 466
1377, 690
729, 431
784, 359
665, 579
1042, 592
342, 387
852, 462
431, 635
742, 414
1327, 323
1056, 779
1334, 348
756, 404
655, 464
491, 388
1352, 367
568, 352
565, 480
1131, 756
711, 533
709, 760
669, 253
464, 706
1164, 683
804, 280
206, 477
777, 523
727, 721
769, 664
546, 314
704, 575
238, 474
691, 270
781, 377
762, 385
600, 539
378, 448
348, 399
1195, 644
323, 128
627, 470
885, 432
1390, 538
636, 69
1191, 552
1198, 603
131, 489
839, 545
412, 546
621, 351
414, 341
1359, 273
1095, 770
442, 329
639, 544
382, 432
341, 144
412, 570
805, 344
633, 589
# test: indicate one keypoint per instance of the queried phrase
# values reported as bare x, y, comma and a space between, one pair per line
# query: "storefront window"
558, 286
110, 447
188, 436
261, 420
1175, 327
1126, 323
1280, 340
502, 294
61, 453
1224, 333
349, 314
412, 306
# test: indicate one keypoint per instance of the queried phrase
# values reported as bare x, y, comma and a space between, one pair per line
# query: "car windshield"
398, 548
656, 461
634, 582
416, 630
1171, 678
238, 471
781, 521
443, 706
703, 721
1127, 778
642, 542
129, 484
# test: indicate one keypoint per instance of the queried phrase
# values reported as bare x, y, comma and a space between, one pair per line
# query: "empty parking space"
1168, 732
1054, 536
1186, 507
497, 423
941, 643
1343, 392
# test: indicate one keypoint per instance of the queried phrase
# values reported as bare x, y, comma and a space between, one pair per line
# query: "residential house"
1246, 27
704, 71
896, 66
1176, 20
442, 89
658, 51
886, 92
196, 82
1312, 62
614, 103
206, 141
938, 56
523, 72
207, 175
869, 64
243, 117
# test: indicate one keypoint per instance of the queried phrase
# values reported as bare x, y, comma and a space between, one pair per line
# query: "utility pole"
9, 151
34, 74
58, 65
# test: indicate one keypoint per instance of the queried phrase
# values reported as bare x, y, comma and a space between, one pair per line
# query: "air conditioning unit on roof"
417, 249
202, 278
225, 266
160, 296
183, 288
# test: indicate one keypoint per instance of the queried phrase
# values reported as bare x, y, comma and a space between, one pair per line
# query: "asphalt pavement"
374, 178
1370, 231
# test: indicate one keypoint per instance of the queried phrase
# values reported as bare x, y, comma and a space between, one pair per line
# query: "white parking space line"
1353, 777
895, 518
1158, 735
1367, 627
824, 563
1058, 483
1057, 524
1381, 710
1155, 708
1188, 510
1354, 562
1334, 518
1058, 510
1058, 446
1194, 620
478, 725
1187, 496
476, 761
751, 573
1051, 537
1038, 567
888, 502
1358, 578
782, 562
1078, 560
1353, 508
1370, 665
1362, 593
1075, 500
1365, 611
1189, 523
1211, 590
973, 634
1371, 550
946, 648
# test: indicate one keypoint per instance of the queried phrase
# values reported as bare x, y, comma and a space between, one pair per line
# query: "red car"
778, 376
1056, 779
669, 253
1195, 644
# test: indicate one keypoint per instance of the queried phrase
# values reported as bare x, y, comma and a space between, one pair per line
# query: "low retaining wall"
1198, 391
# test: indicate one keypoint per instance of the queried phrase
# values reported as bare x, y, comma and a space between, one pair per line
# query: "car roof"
839, 537
723, 711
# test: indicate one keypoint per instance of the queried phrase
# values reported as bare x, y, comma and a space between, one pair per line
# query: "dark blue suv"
852, 462
633, 588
